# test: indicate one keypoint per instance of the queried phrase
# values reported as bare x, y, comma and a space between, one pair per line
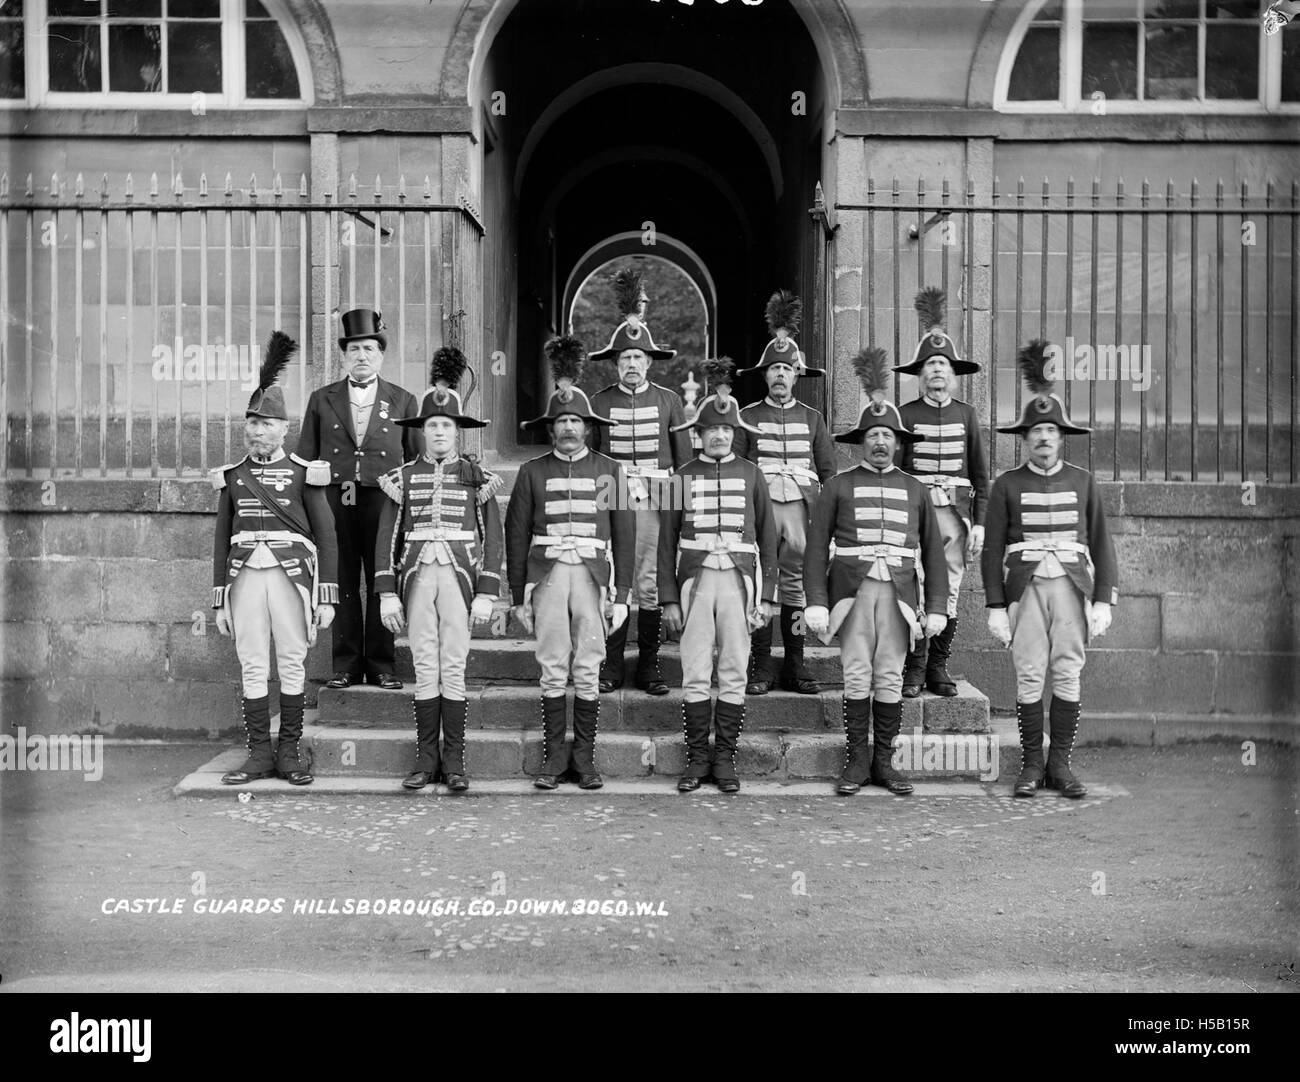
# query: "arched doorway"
703, 129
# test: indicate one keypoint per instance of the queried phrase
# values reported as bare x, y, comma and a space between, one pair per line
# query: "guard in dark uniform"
647, 440
717, 581
948, 458
273, 572
352, 425
1050, 578
878, 518
439, 558
569, 546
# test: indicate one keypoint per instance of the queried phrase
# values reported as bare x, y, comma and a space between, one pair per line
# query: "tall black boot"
914, 670
857, 759
257, 728
555, 752
612, 669
937, 679
454, 714
888, 718
1064, 716
695, 727
1029, 720
289, 761
648, 677
728, 720
760, 661
794, 673
428, 717
586, 720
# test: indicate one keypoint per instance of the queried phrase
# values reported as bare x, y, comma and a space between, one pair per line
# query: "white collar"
570, 458
443, 462
645, 386
279, 454
717, 461
1049, 471
873, 469
947, 399
780, 405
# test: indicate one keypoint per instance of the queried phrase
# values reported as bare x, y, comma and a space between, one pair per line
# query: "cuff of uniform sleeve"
327, 593
516, 595
385, 583
995, 604
622, 595
488, 584
219, 596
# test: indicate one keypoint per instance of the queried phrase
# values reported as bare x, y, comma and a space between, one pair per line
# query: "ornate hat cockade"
931, 306
784, 313
443, 399
565, 355
632, 333
268, 398
872, 369
363, 323
1044, 407
720, 408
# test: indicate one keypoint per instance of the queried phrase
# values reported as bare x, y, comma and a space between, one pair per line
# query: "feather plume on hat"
629, 293
931, 305
871, 366
445, 371
719, 372
1032, 361
784, 312
279, 351
565, 354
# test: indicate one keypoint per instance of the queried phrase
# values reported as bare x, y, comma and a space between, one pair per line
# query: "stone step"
369, 756
517, 707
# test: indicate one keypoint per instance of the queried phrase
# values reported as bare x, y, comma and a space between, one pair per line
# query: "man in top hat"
569, 550
949, 460
878, 517
352, 425
439, 557
1050, 577
646, 439
717, 554
793, 450
273, 572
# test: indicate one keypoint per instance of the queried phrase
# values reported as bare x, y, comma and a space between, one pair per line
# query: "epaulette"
217, 475
391, 483
491, 485
318, 470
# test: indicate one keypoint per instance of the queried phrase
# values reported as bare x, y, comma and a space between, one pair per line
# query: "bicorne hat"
442, 399
268, 397
1044, 407
931, 304
783, 313
632, 333
565, 354
871, 367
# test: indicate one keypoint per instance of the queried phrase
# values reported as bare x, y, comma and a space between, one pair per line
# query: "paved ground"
1180, 875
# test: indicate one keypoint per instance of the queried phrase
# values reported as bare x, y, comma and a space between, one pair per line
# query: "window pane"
1232, 9
194, 9
1037, 72
152, 8
78, 8
11, 8
1172, 9
1110, 9
1232, 62
1290, 66
193, 57
1171, 62
74, 58
134, 59
12, 82
254, 10
268, 68
1110, 60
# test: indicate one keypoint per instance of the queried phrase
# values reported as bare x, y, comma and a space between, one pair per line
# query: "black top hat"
565, 354
268, 397
871, 367
632, 333
363, 323
442, 399
783, 313
1044, 408
930, 303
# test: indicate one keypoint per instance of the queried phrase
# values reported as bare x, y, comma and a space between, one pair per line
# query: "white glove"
324, 616
390, 612
935, 622
817, 619
1000, 626
617, 616
223, 621
1099, 619
524, 614
975, 542
480, 611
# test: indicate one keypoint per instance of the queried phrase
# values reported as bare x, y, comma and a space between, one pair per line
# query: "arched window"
1129, 56
142, 54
